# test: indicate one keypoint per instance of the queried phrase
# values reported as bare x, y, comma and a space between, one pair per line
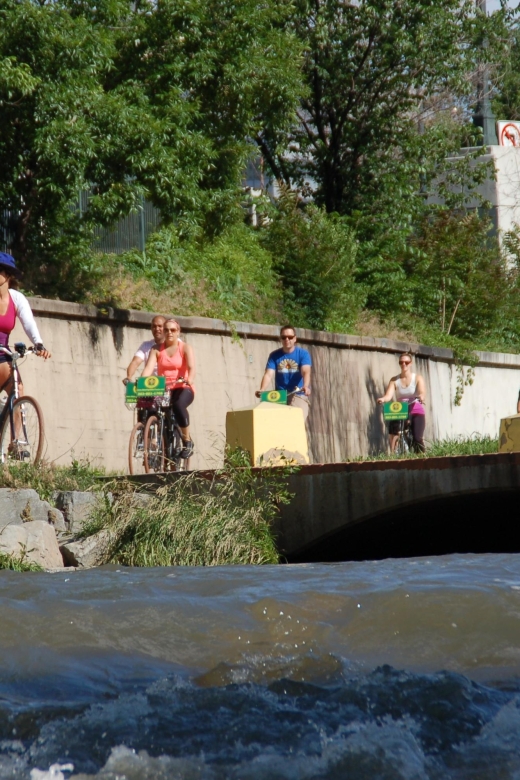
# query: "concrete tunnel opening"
479, 522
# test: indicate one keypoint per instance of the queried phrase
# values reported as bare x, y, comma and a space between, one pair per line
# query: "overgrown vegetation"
357, 112
46, 478
195, 521
230, 276
477, 444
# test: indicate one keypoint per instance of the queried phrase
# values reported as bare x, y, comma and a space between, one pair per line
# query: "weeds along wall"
81, 392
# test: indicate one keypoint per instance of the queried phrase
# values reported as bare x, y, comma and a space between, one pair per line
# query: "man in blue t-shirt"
291, 368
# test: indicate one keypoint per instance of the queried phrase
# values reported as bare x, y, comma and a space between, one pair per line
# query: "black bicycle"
21, 419
146, 408
404, 443
397, 412
163, 442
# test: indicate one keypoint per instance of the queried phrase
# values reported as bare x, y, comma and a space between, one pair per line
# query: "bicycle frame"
169, 424
404, 436
15, 392
21, 438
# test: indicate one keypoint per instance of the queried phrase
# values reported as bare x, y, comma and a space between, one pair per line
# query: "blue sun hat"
7, 262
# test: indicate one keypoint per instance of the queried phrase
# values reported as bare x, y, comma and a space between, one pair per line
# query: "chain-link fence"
131, 232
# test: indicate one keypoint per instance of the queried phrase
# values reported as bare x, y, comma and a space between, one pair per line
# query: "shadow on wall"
118, 337
376, 427
321, 445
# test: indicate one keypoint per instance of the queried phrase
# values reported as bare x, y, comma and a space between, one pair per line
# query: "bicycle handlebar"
19, 349
292, 392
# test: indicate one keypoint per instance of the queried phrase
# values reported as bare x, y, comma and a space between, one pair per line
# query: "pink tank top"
172, 367
7, 322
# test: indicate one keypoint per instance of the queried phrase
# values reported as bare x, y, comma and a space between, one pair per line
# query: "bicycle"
21, 419
404, 443
162, 438
146, 407
397, 411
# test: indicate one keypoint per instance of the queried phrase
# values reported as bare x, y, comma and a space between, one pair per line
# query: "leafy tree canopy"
154, 99
388, 85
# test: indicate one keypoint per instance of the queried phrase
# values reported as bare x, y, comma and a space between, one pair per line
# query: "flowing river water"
400, 669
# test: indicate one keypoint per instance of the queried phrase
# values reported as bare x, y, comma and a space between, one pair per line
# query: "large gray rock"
23, 506
88, 552
34, 540
76, 506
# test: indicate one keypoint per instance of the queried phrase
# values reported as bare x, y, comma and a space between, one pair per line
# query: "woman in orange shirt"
175, 361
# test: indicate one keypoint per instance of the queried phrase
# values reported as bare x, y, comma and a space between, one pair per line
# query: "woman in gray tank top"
408, 387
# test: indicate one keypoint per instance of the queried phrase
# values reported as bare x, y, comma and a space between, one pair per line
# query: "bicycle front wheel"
26, 423
136, 450
153, 445
176, 463
401, 447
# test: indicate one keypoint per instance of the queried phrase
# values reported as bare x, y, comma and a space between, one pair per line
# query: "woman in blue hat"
14, 304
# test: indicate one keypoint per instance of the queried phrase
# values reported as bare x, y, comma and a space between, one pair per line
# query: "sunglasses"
287, 338
404, 362
171, 330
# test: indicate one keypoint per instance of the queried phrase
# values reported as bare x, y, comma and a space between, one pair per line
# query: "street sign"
150, 386
274, 396
130, 394
395, 410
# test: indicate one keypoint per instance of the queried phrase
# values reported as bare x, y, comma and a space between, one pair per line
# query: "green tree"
155, 100
457, 277
314, 254
379, 75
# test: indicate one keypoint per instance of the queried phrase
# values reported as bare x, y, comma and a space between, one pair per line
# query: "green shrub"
314, 254
195, 521
230, 276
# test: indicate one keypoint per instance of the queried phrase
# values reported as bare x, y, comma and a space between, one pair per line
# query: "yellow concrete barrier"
273, 434
509, 438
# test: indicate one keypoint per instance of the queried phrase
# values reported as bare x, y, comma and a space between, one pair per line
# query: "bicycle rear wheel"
136, 450
27, 444
153, 445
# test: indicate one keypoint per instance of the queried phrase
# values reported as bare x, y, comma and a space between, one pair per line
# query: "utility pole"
483, 116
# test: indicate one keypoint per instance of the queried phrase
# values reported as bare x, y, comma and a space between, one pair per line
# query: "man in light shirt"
157, 326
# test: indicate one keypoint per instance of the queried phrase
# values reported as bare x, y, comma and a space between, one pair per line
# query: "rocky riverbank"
47, 535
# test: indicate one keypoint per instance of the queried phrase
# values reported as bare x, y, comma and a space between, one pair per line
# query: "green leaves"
375, 124
155, 100
314, 254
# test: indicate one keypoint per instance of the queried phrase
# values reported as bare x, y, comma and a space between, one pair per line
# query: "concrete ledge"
139, 319
415, 464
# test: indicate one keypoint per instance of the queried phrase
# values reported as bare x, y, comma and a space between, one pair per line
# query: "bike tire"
153, 446
136, 450
401, 447
27, 446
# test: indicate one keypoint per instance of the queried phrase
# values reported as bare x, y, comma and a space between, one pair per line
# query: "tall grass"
195, 521
18, 563
476, 444
46, 478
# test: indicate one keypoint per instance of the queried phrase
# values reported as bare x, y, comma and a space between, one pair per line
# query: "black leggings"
180, 400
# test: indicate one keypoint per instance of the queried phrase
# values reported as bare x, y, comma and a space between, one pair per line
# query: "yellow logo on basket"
273, 396
151, 382
395, 407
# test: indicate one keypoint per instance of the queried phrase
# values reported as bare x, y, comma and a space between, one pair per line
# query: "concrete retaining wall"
81, 392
